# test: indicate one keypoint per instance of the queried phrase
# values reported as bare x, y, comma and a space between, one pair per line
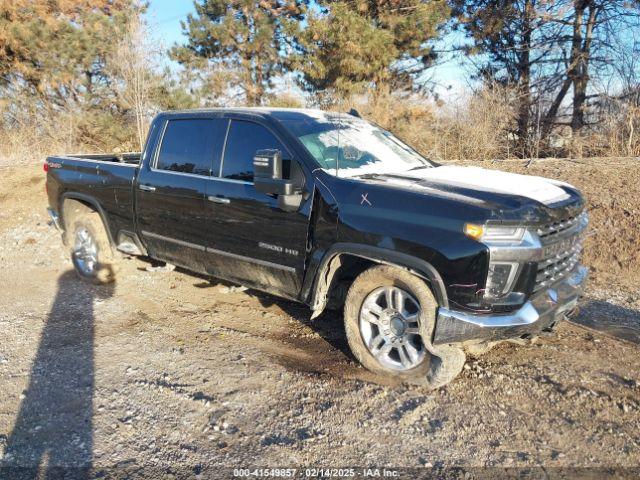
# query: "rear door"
172, 187
252, 240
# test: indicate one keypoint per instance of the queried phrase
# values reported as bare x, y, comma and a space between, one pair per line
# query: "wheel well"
74, 206
348, 269
68, 209
341, 270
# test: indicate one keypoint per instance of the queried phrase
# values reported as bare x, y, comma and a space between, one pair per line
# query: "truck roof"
279, 113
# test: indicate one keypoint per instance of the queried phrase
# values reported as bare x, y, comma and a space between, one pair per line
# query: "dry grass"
33, 139
483, 126
478, 129
23, 146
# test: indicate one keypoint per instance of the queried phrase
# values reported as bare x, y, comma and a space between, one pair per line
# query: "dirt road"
172, 374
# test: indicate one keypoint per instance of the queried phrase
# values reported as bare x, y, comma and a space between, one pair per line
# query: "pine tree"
56, 51
354, 46
243, 40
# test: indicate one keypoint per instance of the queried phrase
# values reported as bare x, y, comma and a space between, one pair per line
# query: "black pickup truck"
429, 261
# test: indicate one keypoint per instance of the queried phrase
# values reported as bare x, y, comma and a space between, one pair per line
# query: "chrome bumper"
540, 313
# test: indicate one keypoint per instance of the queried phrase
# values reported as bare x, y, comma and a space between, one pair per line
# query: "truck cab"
427, 261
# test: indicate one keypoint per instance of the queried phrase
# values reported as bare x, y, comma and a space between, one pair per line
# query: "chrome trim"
154, 163
565, 227
224, 148
557, 266
527, 249
185, 174
173, 240
541, 312
147, 188
264, 263
100, 162
525, 316
230, 180
221, 200
531, 247
203, 177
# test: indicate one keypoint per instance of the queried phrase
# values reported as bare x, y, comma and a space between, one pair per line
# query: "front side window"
192, 145
244, 139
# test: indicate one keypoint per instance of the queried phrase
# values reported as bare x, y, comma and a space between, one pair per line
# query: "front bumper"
540, 313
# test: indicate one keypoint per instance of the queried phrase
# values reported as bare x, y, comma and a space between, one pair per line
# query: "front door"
255, 242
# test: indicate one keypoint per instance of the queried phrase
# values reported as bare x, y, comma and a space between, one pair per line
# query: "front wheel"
389, 317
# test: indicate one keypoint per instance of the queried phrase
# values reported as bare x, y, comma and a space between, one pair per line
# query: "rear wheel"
389, 315
91, 251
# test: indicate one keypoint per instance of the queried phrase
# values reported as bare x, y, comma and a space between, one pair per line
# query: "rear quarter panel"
106, 185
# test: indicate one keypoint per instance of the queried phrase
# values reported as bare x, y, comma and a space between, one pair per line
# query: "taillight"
45, 167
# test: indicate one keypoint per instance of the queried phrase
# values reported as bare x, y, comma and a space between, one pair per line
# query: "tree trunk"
582, 56
524, 87
577, 75
572, 68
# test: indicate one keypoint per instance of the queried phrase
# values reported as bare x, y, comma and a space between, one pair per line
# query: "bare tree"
518, 44
135, 66
552, 52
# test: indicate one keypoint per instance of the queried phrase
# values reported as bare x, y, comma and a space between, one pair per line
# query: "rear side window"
192, 145
243, 141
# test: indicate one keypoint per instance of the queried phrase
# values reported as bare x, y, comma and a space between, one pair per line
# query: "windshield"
349, 146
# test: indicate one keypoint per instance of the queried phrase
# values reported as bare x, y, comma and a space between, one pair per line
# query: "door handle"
222, 200
147, 188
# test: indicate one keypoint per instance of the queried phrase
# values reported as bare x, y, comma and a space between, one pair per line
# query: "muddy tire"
91, 253
388, 315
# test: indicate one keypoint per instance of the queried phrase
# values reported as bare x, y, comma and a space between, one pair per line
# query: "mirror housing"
267, 174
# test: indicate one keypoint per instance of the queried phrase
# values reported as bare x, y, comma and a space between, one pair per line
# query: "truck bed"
107, 179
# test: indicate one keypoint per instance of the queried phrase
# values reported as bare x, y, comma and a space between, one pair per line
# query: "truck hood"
492, 188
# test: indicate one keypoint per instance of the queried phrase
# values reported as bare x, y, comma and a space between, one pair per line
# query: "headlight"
497, 233
506, 244
494, 233
500, 278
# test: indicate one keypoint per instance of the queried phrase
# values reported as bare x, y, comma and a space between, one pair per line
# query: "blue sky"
164, 17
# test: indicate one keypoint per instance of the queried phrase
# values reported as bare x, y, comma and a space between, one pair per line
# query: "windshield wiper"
419, 167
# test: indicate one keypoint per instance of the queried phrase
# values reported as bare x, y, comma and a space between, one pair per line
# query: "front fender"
331, 260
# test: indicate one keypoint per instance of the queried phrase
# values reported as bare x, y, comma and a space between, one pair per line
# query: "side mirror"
267, 174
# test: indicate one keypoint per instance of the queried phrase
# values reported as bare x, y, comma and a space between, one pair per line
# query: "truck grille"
546, 232
561, 256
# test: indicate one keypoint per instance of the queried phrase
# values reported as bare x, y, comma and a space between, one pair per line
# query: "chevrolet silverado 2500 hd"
429, 261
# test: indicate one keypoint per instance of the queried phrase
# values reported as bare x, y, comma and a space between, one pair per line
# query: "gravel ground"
167, 374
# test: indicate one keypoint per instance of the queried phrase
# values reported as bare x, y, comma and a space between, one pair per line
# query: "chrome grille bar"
547, 231
560, 263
